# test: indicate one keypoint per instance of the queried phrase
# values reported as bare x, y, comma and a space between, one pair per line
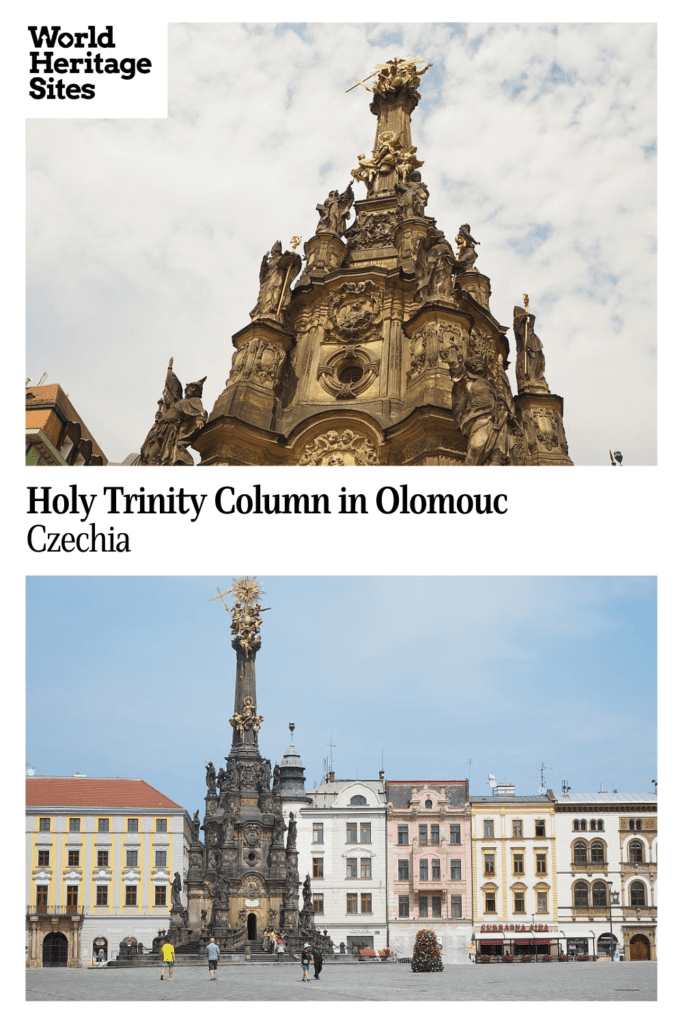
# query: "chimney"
381, 776
330, 777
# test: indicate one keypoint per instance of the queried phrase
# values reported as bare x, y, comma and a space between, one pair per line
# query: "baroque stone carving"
392, 76
434, 267
245, 616
467, 255
251, 888
335, 211
278, 270
484, 413
246, 719
176, 889
211, 777
334, 449
373, 230
177, 423
252, 834
332, 377
412, 197
249, 776
355, 311
438, 343
530, 363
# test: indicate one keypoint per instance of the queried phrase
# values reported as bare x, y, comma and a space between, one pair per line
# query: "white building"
606, 847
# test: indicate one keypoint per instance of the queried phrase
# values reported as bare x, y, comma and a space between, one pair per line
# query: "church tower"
244, 877
384, 350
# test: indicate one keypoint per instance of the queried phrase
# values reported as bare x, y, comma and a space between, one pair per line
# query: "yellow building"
101, 856
514, 884
55, 432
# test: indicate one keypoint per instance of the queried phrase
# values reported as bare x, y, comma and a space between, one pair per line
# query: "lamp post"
613, 899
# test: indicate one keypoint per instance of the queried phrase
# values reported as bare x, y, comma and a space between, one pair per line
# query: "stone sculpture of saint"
211, 778
177, 423
530, 363
278, 270
176, 889
335, 211
434, 267
467, 254
412, 197
482, 412
195, 826
291, 833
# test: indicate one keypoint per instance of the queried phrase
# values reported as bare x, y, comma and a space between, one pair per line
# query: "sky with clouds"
422, 675
145, 237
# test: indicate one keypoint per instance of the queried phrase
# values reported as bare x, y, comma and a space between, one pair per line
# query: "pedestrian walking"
168, 959
101, 958
272, 938
280, 948
213, 954
317, 961
306, 961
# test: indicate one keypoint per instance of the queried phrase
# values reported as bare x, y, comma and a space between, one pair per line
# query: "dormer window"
358, 800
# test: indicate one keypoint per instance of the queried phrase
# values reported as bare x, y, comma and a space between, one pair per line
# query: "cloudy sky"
421, 674
145, 237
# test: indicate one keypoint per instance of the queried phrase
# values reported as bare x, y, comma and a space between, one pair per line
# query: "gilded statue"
530, 363
278, 270
335, 211
467, 255
393, 75
247, 718
177, 423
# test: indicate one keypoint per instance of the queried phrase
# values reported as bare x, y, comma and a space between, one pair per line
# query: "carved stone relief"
258, 360
355, 312
348, 372
335, 449
373, 230
439, 343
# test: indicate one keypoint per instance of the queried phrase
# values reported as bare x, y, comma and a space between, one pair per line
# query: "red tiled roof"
94, 793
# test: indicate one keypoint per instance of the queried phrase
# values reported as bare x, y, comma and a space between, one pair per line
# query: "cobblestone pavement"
377, 982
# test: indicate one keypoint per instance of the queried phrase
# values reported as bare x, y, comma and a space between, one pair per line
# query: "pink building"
429, 866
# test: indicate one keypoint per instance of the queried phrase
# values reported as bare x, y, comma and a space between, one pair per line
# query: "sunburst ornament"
247, 590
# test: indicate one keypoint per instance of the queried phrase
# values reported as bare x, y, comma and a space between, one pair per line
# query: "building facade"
514, 881
55, 433
101, 858
429, 868
607, 873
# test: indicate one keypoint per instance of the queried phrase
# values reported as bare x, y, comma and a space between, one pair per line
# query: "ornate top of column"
245, 613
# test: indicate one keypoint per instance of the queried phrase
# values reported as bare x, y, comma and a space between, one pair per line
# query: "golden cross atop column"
246, 612
392, 74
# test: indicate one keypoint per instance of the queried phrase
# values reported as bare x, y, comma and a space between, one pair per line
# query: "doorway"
639, 947
251, 927
55, 950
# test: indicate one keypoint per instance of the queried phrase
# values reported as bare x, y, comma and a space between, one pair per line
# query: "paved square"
358, 982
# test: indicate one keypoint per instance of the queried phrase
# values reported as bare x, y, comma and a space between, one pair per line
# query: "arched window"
428, 804
358, 800
639, 825
580, 853
597, 853
599, 894
584, 827
593, 825
580, 894
601, 825
576, 824
637, 895
635, 852
635, 825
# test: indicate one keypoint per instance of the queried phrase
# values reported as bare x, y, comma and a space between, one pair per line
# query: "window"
423, 835
635, 825
436, 870
318, 867
434, 835
580, 853
517, 828
352, 903
43, 824
41, 897
43, 858
351, 832
402, 835
403, 870
542, 902
488, 828
597, 853
540, 826
637, 895
358, 800
102, 896
584, 825
317, 831
436, 906
601, 825
159, 895
160, 858
423, 906
71, 897
73, 858
365, 867
594, 825
366, 903
489, 863
541, 866
490, 903
456, 870
132, 824
74, 824
131, 858
351, 867
428, 804
599, 894
576, 826
365, 832
580, 894
318, 903
161, 824
455, 835
103, 858
635, 852
456, 906
424, 870
519, 903
403, 906
131, 895
518, 863
103, 824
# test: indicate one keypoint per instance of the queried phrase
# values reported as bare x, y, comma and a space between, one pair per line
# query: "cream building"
514, 884
607, 873
101, 855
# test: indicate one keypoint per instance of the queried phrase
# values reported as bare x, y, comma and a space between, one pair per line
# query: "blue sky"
145, 237
134, 677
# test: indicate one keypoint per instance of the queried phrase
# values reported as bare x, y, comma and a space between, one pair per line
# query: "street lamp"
613, 899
